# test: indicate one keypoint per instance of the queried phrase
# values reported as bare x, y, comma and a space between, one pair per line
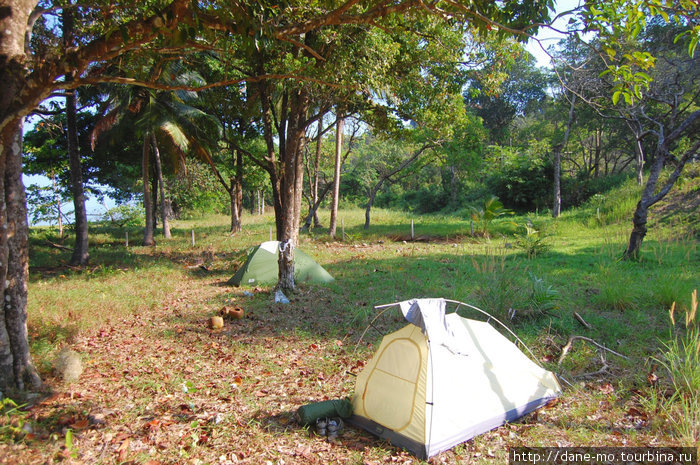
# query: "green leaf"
616, 97
637, 91
69, 439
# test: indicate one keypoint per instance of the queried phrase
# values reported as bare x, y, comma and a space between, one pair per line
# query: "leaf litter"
162, 388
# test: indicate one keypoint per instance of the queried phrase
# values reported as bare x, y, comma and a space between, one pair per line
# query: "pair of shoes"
321, 426
335, 427
330, 427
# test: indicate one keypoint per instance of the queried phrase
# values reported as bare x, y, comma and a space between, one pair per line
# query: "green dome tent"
261, 267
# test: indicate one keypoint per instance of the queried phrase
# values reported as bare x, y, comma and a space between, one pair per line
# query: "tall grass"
681, 358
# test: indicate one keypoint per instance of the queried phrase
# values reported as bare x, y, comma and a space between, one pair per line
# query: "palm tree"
161, 119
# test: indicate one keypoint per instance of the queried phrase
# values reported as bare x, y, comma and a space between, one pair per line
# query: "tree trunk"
556, 207
16, 367
292, 186
81, 253
650, 196
317, 162
57, 200
370, 201
154, 200
336, 175
639, 151
453, 185
639, 230
314, 208
235, 212
641, 212
236, 194
598, 152
159, 176
147, 198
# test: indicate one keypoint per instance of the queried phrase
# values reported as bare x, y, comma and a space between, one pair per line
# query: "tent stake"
192, 234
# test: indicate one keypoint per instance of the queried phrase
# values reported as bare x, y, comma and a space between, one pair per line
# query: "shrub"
543, 297
525, 184
530, 240
489, 210
125, 215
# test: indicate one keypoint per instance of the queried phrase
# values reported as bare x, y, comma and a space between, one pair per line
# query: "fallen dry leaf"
123, 451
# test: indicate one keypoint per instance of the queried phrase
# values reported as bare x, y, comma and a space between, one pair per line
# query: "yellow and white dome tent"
443, 379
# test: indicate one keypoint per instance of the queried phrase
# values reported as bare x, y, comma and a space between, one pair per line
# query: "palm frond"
176, 135
105, 124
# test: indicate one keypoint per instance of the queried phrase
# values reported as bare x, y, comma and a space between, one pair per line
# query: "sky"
548, 37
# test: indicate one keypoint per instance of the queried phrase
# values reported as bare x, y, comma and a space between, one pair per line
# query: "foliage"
12, 420
530, 240
195, 192
484, 214
543, 297
619, 23
583, 188
124, 215
45, 149
521, 92
521, 179
45, 204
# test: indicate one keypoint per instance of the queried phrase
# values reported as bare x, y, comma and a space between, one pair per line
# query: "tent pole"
491, 317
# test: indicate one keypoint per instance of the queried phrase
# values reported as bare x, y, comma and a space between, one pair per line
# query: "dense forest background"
514, 127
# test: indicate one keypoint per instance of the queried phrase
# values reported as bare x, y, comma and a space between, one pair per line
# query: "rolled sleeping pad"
309, 413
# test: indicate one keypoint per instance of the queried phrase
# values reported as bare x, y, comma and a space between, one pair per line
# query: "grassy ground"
160, 387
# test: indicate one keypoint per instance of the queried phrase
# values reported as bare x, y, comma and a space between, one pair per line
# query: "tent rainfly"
261, 267
444, 379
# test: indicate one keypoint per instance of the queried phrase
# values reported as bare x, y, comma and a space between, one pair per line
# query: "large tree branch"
405, 163
676, 173
44, 78
161, 86
340, 16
